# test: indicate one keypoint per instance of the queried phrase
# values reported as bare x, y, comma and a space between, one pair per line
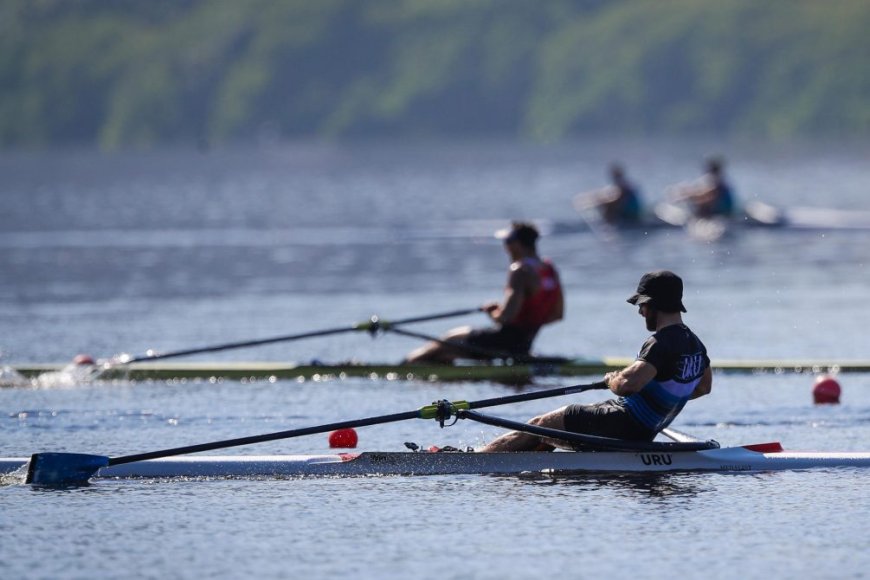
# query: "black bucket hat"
663, 290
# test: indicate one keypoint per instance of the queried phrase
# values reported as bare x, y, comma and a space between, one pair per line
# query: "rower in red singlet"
533, 298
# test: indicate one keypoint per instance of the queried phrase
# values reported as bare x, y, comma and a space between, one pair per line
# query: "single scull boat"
763, 457
596, 453
503, 371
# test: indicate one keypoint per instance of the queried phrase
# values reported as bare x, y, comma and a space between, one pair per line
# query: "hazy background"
137, 74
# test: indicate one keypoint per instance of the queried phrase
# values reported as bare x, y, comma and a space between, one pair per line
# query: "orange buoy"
827, 390
343, 439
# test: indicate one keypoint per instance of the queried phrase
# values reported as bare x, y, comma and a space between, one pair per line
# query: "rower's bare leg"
435, 352
518, 441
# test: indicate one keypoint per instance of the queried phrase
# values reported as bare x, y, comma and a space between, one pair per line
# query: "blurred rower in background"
710, 196
618, 203
533, 298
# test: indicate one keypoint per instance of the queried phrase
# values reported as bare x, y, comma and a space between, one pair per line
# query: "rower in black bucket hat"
671, 369
663, 290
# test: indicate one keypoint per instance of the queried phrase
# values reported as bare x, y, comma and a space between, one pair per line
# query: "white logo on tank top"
690, 367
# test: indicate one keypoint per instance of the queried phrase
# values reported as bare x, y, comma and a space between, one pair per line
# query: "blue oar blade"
63, 468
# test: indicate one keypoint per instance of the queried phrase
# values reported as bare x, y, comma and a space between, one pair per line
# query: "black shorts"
606, 419
500, 340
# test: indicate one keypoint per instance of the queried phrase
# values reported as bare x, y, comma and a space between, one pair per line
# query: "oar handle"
456, 344
594, 441
562, 391
450, 314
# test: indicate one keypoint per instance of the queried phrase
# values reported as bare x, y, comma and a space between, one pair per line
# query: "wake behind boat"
760, 215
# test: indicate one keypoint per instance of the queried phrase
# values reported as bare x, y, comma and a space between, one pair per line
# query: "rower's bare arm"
590, 199
631, 379
705, 386
513, 297
678, 192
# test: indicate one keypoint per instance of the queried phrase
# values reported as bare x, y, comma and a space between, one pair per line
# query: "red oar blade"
63, 468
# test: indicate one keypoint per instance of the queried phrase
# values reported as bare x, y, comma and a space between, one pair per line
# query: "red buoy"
343, 439
826, 391
81, 360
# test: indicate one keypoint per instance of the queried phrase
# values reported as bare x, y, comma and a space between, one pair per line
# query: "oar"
457, 344
594, 441
372, 325
73, 468
480, 351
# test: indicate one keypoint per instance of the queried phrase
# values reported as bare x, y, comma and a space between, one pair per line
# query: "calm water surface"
105, 254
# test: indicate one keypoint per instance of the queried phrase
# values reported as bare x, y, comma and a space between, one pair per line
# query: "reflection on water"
635, 486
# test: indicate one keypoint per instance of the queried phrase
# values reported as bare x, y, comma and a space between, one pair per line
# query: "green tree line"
133, 73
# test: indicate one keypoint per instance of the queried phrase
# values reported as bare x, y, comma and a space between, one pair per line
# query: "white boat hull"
731, 459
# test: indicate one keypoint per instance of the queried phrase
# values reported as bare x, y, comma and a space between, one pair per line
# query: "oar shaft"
267, 437
449, 314
485, 353
363, 326
457, 344
244, 344
596, 441
562, 391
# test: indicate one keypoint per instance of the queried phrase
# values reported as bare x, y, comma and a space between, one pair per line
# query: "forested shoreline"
128, 73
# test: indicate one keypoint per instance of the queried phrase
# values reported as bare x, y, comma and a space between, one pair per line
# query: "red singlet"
537, 309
